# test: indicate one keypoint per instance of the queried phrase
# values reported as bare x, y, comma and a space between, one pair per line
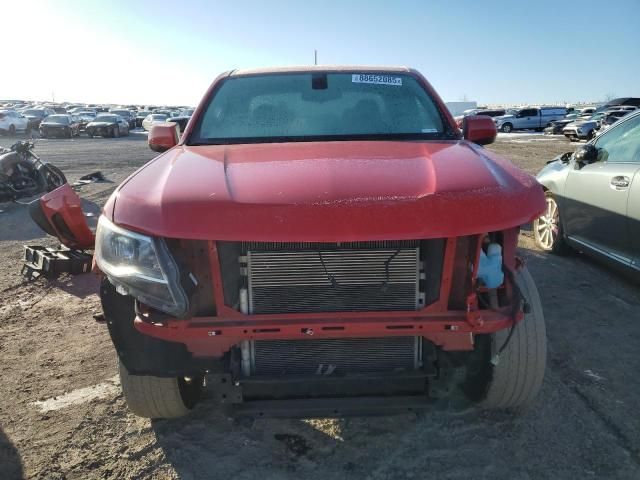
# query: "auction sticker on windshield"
375, 79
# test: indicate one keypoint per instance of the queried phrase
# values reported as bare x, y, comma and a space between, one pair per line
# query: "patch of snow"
82, 395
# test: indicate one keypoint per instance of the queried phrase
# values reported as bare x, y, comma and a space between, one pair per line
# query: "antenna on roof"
315, 57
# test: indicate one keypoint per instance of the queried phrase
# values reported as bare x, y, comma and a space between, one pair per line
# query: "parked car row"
574, 123
587, 128
70, 120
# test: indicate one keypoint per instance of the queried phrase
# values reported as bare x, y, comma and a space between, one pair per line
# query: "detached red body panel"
59, 213
327, 192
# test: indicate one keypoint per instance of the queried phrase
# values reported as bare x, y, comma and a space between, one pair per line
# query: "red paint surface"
479, 129
212, 337
65, 202
327, 191
163, 137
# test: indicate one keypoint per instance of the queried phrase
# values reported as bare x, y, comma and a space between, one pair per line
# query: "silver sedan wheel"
546, 227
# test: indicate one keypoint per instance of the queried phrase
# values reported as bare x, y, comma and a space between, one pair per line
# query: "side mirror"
163, 137
479, 129
586, 154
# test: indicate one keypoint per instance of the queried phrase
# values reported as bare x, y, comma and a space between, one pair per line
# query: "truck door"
595, 204
530, 118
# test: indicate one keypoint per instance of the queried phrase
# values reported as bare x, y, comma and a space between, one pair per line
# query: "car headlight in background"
142, 266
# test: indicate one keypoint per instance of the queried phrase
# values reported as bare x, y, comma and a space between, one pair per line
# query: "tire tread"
517, 378
152, 397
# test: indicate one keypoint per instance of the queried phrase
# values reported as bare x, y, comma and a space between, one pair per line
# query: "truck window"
306, 106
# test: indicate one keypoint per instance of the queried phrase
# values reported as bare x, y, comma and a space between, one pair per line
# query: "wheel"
12, 129
547, 229
515, 377
70, 135
506, 128
115, 132
157, 397
89, 133
52, 176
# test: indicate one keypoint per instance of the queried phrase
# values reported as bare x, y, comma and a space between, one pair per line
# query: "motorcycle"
24, 174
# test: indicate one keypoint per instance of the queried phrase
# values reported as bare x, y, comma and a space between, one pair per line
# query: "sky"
168, 52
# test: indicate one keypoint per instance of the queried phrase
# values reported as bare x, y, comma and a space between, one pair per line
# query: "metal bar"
328, 407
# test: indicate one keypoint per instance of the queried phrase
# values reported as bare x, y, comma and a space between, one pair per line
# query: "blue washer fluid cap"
490, 268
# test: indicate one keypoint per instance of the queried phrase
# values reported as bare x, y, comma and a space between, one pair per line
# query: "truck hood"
326, 191
502, 117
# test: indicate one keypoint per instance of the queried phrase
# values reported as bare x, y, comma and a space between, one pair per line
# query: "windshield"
122, 113
106, 118
57, 119
511, 111
158, 117
310, 106
86, 114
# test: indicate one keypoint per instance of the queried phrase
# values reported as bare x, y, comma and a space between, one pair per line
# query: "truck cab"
529, 118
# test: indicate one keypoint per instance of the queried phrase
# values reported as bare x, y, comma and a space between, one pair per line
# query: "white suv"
12, 122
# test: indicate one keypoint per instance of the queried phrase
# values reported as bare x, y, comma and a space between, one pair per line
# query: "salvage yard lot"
583, 425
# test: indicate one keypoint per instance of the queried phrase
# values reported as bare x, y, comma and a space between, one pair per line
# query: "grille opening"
332, 357
309, 277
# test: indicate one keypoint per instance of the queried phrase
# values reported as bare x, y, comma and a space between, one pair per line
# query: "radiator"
302, 278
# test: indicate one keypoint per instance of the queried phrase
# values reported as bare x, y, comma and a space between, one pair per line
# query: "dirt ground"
584, 424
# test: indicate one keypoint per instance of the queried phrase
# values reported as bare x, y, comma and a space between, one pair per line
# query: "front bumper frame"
452, 330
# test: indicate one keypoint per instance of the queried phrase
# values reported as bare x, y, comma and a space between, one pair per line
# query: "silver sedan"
593, 198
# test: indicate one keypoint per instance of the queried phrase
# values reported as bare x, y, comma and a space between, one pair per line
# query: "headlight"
142, 266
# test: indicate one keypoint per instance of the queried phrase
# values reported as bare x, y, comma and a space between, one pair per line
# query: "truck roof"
320, 68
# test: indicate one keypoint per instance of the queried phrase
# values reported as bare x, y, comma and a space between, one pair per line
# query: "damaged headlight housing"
140, 266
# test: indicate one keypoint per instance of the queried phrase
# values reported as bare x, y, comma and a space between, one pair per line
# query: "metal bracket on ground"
50, 262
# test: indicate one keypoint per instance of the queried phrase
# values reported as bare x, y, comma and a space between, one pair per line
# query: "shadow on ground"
10, 462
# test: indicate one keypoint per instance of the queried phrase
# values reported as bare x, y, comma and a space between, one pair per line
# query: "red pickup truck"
319, 239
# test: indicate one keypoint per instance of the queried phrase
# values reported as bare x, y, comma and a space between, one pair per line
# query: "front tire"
12, 130
157, 397
516, 379
506, 128
547, 229
115, 133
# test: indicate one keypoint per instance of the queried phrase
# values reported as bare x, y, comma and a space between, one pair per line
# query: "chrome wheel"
547, 226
